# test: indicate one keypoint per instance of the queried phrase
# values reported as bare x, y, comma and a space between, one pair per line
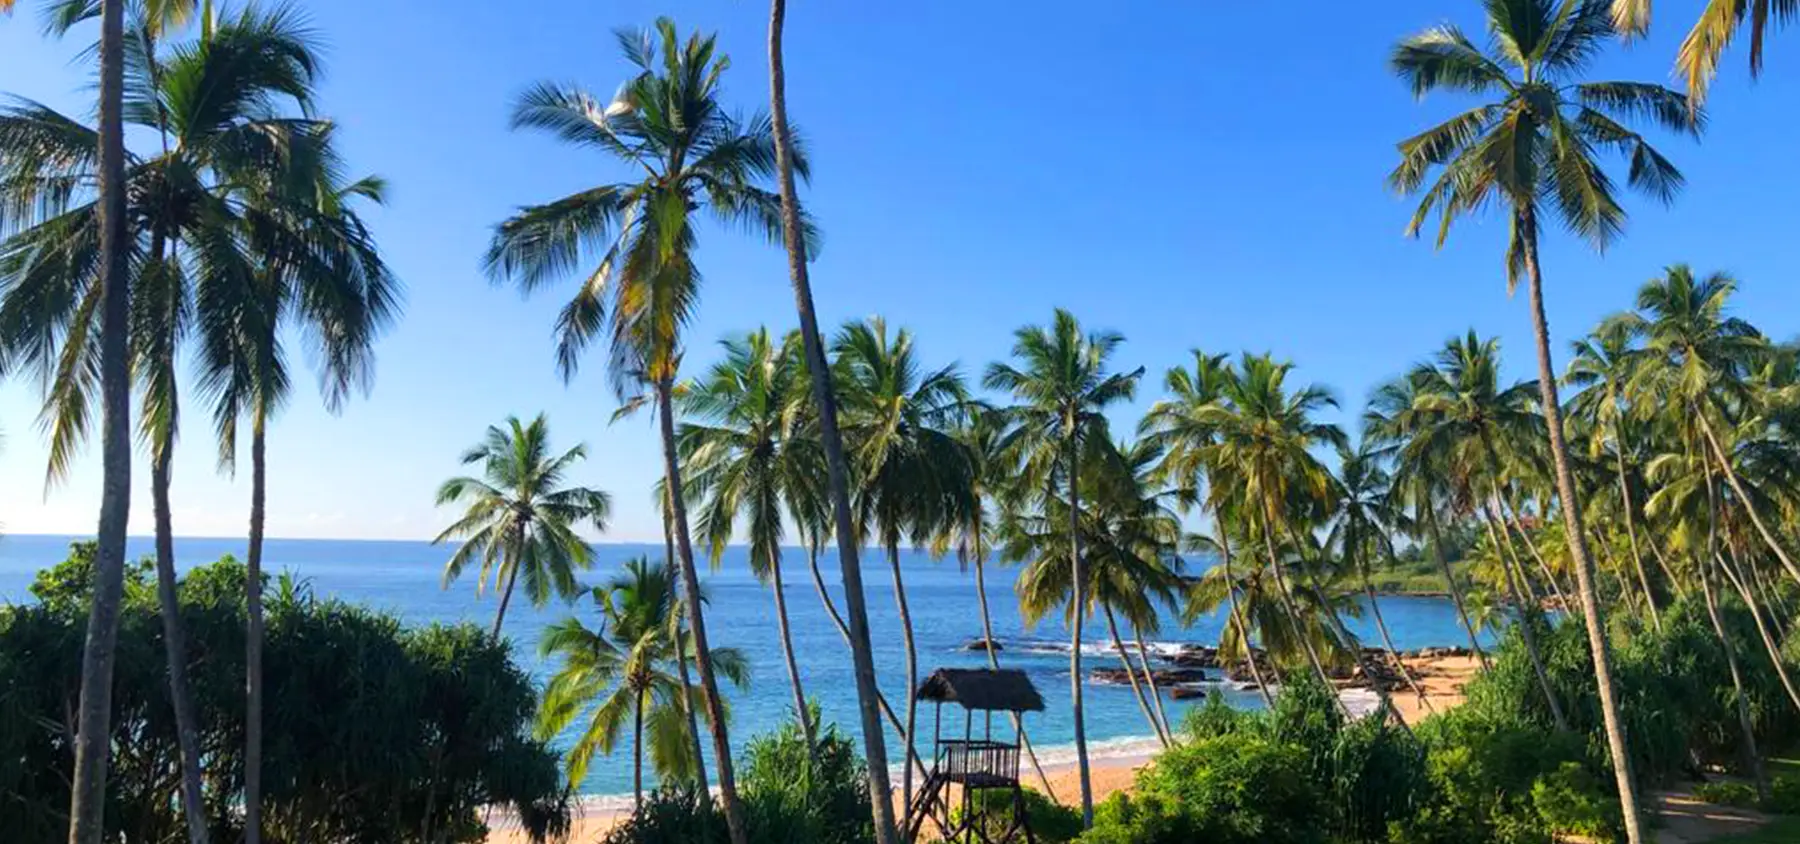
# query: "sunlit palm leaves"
621, 673
519, 517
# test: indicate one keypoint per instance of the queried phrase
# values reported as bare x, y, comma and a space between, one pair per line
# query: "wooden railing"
979, 762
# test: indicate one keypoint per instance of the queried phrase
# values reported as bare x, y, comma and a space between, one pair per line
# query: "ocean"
404, 578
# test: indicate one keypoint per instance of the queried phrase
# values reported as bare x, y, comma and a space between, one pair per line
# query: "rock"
1188, 693
983, 645
1196, 658
1164, 676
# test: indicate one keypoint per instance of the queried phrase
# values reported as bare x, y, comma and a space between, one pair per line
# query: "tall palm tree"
1061, 388
981, 434
741, 444
107, 266
1539, 142
1129, 536
1600, 369
794, 229
622, 670
519, 517
227, 197
668, 126
1698, 358
1704, 46
1182, 427
1262, 456
912, 476
1464, 422
1362, 527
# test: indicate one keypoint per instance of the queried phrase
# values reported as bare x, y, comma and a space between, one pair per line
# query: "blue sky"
1190, 174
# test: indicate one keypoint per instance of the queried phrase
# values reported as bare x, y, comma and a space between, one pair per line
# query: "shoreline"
1112, 763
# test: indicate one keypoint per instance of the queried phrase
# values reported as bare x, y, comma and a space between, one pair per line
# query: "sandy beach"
1442, 678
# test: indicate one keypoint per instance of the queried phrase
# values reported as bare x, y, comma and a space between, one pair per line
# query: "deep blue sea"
404, 578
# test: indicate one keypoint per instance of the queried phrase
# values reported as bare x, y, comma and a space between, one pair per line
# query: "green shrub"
375, 734
1144, 819
1217, 718
1571, 800
1481, 773
1377, 779
1784, 796
1726, 793
1242, 788
1050, 821
671, 815
821, 797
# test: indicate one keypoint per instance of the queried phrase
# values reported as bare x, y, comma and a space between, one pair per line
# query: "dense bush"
821, 797
1050, 822
373, 732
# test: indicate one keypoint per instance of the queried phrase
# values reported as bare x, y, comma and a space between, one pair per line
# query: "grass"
1782, 831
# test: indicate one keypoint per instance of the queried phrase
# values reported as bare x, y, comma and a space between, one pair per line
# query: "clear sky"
1197, 174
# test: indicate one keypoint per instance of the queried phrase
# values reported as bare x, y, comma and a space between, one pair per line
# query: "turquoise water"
403, 577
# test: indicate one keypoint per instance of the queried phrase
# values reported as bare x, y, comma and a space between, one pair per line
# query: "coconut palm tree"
226, 209
668, 126
1600, 368
1130, 537
1462, 421
519, 518
1533, 150
741, 443
52, 182
621, 673
794, 236
1262, 457
912, 476
1061, 388
1362, 528
1698, 358
1704, 46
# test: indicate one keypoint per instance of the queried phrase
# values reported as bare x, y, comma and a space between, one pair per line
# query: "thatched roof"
982, 689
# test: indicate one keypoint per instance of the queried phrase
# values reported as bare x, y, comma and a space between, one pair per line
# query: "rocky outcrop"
1164, 676
984, 645
1189, 693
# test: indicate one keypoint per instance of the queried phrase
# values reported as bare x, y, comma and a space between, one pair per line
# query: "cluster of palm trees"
234, 232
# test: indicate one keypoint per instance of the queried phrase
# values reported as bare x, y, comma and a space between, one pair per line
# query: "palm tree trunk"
681, 657
193, 804
637, 752
1462, 612
912, 674
1762, 629
512, 579
1387, 638
1288, 606
253, 642
1662, 563
802, 714
1078, 609
1752, 757
93, 732
868, 691
1526, 632
987, 634
1237, 616
1162, 718
1637, 557
886, 709
1592, 613
690, 582
1137, 689
1743, 498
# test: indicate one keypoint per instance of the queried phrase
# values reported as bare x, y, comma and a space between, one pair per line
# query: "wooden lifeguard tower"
963, 767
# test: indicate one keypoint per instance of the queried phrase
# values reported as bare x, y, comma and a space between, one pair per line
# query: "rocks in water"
1188, 693
1195, 656
984, 645
1438, 653
1164, 676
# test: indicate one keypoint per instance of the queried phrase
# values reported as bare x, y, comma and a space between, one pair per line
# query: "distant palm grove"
1618, 535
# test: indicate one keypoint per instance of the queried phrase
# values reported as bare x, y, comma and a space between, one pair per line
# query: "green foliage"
1051, 822
673, 814
1784, 796
1483, 776
792, 794
1726, 793
384, 734
1572, 800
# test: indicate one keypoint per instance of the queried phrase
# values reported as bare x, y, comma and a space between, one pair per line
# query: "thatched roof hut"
982, 690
